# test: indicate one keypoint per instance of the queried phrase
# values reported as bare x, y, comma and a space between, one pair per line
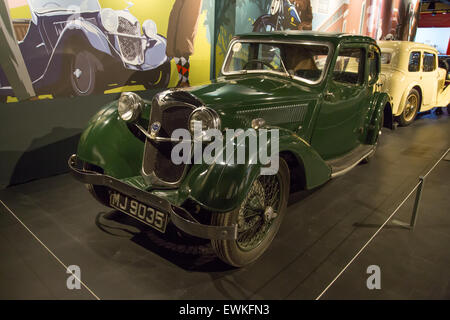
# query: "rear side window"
429, 62
349, 67
414, 61
386, 57
374, 59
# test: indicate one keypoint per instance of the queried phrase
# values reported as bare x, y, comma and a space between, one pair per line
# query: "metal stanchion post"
417, 203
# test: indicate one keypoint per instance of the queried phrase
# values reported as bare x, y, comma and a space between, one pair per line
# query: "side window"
414, 61
429, 62
373, 61
349, 67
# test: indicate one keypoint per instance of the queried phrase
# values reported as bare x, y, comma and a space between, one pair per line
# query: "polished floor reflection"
322, 232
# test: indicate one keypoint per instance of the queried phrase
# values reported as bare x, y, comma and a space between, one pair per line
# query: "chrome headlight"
110, 20
149, 28
130, 106
206, 117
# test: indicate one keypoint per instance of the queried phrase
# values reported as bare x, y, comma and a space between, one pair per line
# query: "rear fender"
381, 101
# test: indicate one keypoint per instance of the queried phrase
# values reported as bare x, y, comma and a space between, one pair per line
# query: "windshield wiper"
282, 62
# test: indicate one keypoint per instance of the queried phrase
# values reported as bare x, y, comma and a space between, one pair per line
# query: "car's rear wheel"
411, 108
158, 78
100, 193
258, 219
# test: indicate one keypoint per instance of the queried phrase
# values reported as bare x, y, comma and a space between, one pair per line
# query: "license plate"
139, 211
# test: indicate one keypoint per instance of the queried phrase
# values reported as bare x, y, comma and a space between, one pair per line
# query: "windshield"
70, 5
304, 61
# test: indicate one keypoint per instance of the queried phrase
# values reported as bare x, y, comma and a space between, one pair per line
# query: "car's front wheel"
80, 76
258, 219
411, 108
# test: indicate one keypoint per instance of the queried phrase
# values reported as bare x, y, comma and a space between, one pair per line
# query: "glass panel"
306, 62
72, 5
349, 67
429, 62
414, 62
386, 58
373, 65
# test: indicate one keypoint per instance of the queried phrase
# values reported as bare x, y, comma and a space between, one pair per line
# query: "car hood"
230, 96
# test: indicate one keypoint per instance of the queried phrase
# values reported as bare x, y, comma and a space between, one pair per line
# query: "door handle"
329, 95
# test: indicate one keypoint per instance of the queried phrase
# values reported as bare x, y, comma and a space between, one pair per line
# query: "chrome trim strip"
344, 171
191, 227
305, 42
151, 176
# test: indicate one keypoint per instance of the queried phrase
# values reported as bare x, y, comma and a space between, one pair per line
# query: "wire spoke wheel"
253, 222
257, 218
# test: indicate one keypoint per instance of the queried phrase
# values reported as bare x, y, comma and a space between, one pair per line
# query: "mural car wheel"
100, 193
157, 78
82, 74
264, 24
258, 219
412, 106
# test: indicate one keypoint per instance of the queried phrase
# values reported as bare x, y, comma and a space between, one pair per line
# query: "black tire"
80, 75
100, 193
448, 109
411, 108
3, 99
265, 24
158, 78
235, 252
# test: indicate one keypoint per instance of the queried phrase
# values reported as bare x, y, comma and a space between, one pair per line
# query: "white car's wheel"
412, 106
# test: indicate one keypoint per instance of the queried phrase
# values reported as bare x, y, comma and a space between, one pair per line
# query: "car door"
429, 80
345, 101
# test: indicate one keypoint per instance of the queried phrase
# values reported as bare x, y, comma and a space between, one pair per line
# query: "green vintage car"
318, 90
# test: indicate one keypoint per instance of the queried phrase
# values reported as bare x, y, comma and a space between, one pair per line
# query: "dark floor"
322, 232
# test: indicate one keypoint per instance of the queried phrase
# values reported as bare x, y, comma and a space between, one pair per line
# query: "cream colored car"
410, 74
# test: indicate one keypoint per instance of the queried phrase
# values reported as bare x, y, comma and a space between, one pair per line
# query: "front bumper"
178, 216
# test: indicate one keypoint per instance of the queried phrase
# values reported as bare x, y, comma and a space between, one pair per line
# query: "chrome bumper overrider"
189, 226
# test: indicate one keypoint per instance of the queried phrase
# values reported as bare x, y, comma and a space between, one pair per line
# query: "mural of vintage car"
282, 16
318, 90
76, 48
411, 76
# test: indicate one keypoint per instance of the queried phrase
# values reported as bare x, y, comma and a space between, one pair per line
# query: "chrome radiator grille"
157, 156
130, 46
126, 27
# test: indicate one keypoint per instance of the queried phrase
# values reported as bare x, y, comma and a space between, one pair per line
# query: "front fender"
109, 144
89, 32
222, 186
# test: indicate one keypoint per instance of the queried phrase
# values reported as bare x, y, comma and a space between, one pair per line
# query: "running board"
342, 165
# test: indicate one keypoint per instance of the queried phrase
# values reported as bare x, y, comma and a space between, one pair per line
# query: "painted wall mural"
83, 47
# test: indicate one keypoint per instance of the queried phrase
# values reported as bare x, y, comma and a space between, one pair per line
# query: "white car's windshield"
66, 5
304, 61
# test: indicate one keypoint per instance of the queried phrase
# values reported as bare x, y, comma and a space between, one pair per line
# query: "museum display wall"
58, 70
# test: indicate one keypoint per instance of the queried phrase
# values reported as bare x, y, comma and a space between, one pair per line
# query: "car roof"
405, 45
306, 35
